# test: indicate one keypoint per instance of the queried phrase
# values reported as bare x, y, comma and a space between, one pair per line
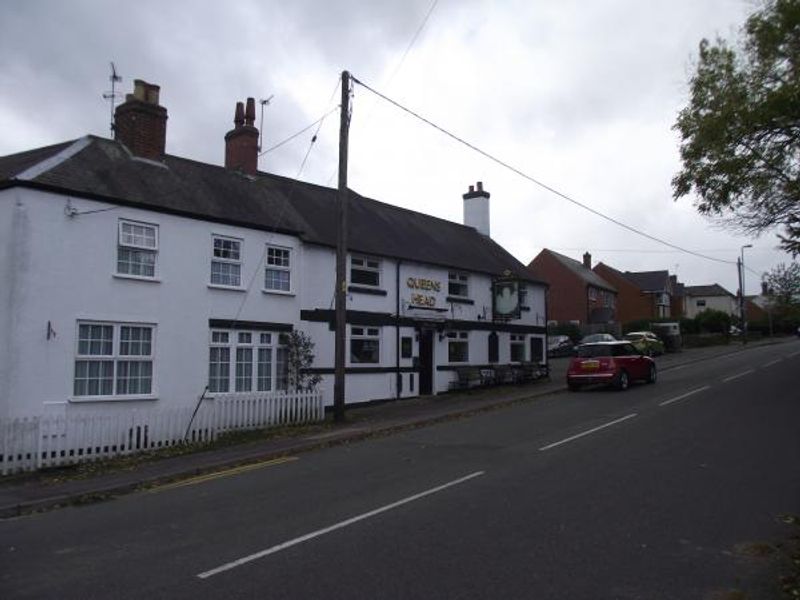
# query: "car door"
635, 363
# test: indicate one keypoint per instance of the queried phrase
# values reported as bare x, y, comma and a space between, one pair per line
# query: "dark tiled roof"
577, 268
105, 170
706, 290
15, 164
649, 281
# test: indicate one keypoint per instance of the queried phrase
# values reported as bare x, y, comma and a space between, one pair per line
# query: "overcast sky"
580, 95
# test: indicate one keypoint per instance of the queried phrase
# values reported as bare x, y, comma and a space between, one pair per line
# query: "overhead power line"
524, 175
301, 132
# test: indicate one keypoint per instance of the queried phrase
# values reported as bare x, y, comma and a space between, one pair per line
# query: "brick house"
577, 294
642, 294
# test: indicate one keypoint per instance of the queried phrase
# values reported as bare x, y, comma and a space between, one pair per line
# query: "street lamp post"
742, 312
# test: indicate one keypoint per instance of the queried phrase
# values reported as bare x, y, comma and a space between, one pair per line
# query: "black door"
536, 349
426, 362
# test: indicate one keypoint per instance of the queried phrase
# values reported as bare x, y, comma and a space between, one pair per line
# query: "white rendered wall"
69, 274
726, 304
61, 269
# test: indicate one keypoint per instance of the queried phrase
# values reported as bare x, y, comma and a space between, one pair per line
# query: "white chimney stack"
476, 209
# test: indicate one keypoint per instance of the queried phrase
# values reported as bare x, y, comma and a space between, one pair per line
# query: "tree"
783, 285
740, 133
300, 350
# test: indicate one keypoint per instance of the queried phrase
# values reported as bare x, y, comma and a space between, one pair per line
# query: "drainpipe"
398, 376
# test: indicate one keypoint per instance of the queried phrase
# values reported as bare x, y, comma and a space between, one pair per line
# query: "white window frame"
278, 268
517, 340
366, 264
132, 245
118, 362
460, 338
457, 278
365, 333
239, 376
231, 263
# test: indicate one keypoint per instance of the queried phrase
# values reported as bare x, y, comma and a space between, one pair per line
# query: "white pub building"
134, 277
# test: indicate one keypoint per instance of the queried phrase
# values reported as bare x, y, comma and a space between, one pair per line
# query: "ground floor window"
517, 348
247, 361
114, 359
365, 345
457, 346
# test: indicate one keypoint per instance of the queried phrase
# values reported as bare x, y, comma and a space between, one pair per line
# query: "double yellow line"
226, 473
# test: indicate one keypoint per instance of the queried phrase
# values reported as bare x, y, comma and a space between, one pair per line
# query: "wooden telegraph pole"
341, 256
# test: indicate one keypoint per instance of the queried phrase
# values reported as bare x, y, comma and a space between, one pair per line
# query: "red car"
611, 363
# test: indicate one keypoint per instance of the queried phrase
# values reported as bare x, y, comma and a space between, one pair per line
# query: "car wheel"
651, 378
573, 387
622, 380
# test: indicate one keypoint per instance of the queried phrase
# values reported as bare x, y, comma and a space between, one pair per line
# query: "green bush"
713, 321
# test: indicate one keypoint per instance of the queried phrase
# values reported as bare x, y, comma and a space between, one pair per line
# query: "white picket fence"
31, 443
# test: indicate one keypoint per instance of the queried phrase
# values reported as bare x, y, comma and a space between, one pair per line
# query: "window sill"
230, 288
135, 277
277, 292
358, 289
459, 300
132, 398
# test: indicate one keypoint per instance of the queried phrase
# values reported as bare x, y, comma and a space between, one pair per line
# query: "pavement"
48, 489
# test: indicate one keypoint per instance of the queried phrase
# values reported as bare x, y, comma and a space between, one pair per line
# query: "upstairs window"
226, 262
137, 249
278, 272
365, 271
458, 284
523, 294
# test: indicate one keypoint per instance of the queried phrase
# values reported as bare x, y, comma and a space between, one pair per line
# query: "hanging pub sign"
505, 298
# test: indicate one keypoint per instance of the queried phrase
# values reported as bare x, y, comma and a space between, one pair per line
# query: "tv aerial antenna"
263, 103
112, 95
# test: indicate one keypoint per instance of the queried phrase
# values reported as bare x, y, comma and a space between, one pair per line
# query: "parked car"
646, 342
559, 345
611, 363
598, 337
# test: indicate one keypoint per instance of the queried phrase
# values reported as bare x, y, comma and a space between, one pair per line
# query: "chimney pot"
587, 260
250, 113
238, 116
480, 186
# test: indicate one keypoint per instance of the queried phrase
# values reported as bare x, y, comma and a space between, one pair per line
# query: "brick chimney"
241, 142
476, 208
140, 123
587, 260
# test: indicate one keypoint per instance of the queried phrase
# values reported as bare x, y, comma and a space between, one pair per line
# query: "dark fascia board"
357, 317
140, 205
254, 325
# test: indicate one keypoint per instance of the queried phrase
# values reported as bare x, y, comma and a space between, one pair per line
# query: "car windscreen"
594, 351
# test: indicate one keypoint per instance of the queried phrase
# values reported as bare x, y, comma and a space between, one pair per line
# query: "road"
666, 491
